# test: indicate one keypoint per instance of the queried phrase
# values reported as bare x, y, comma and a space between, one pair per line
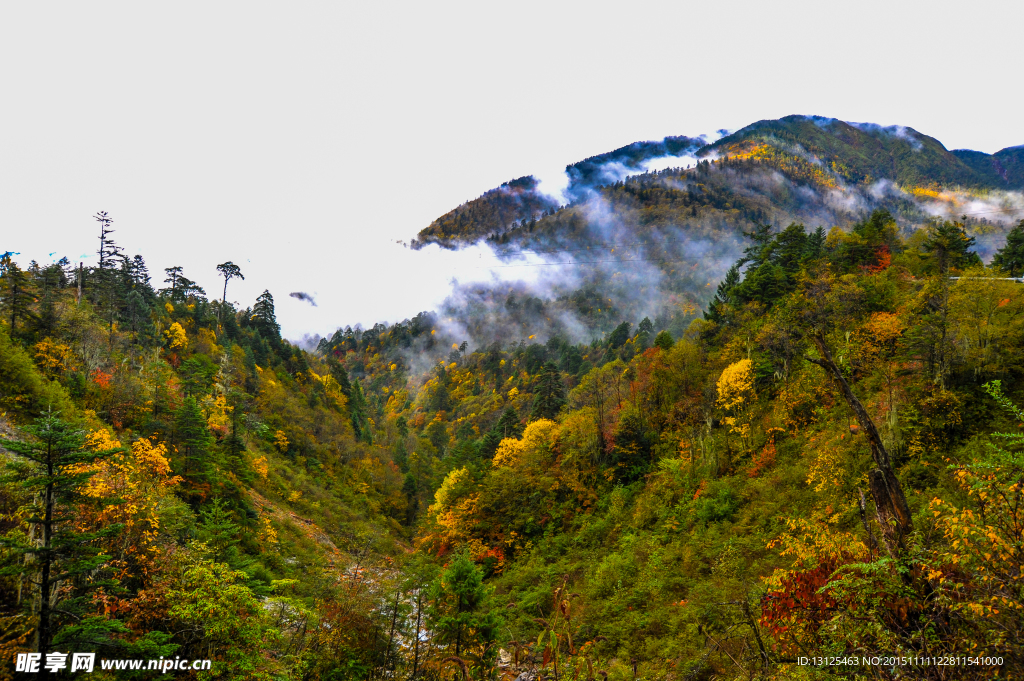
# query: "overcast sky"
301, 140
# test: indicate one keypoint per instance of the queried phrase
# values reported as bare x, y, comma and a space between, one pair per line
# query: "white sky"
302, 139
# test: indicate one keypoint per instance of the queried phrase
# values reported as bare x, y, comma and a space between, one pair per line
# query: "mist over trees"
747, 422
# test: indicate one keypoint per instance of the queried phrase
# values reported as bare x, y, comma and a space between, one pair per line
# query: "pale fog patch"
553, 183
883, 189
898, 131
847, 201
653, 165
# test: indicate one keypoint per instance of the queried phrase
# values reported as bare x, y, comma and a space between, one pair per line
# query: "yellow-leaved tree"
176, 337
735, 392
141, 481
736, 385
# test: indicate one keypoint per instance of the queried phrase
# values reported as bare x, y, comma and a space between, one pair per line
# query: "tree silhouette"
229, 271
264, 317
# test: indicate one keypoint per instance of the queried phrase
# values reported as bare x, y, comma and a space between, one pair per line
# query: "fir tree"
618, 337
16, 292
194, 440
339, 374
460, 611
53, 469
815, 244
757, 253
508, 425
1010, 257
264, 317
549, 394
949, 245
723, 294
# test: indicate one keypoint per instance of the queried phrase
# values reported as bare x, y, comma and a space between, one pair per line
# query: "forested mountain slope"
845, 160
748, 420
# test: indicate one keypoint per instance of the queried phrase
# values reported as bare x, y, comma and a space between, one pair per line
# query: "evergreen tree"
193, 438
789, 248
357, 410
645, 333
757, 253
664, 341
234, 445
815, 244
52, 469
549, 394
508, 425
138, 274
440, 400
949, 245
16, 292
136, 311
229, 271
633, 445
219, 531
111, 263
460, 612
618, 337
1011, 256
49, 281
723, 294
339, 374
173, 273
264, 318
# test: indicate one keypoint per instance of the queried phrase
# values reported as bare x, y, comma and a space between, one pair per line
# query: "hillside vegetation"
823, 155
819, 456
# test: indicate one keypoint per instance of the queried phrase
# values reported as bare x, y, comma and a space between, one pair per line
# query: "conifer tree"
339, 374
1011, 256
549, 395
49, 281
193, 438
722, 294
618, 337
757, 253
52, 469
172, 278
949, 245
815, 243
508, 425
229, 271
16, 292
459, 610
264, 317
357, 411
111, 260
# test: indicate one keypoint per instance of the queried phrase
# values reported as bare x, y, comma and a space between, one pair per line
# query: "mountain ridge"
814, 150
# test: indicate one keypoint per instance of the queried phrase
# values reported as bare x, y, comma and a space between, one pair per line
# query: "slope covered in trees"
820, 458
845, 159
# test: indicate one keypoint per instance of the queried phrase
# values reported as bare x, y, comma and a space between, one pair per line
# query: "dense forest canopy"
778, 426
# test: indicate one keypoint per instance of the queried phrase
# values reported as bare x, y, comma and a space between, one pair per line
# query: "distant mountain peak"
807, 148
